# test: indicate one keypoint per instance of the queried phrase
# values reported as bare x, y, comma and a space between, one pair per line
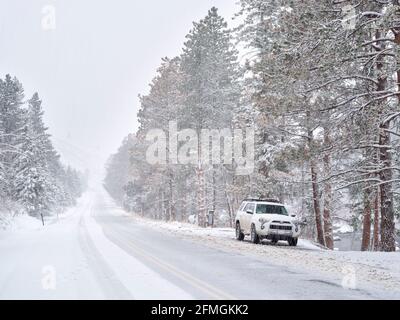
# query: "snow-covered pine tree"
357, 68
364, 67
11, 124
64, 185
29, 183
34, 185
198, 90
277, 35
158, 109
210, 88
31, 173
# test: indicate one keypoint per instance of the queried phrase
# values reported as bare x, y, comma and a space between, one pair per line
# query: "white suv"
266, 219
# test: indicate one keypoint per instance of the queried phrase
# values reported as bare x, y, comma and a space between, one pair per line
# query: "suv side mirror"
249, 212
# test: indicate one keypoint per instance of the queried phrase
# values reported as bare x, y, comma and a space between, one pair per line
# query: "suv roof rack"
262, 200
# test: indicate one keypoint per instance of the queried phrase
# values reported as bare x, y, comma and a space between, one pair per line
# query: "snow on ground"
45, 262
344, 228
19, 222
23, 222
70, 258
369, 269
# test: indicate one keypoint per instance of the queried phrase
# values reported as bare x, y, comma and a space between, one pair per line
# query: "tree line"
32, 178
318, 82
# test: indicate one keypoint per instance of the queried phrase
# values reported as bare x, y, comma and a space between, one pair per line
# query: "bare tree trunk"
386, 193
201, 188
314, 183
366, 229
201, 218
396, 32
229, 210
376, 221
163, 209
317, 209
185, 207
214, 189
171, 201
387, 241
328, 232
386, 174
159, 214
366, 235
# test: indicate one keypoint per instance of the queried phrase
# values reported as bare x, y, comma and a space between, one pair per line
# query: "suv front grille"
280, 227
281, 222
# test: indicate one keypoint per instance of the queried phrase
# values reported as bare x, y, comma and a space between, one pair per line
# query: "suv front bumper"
279, 232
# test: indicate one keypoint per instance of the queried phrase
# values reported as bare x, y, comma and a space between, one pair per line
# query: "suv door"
247, 217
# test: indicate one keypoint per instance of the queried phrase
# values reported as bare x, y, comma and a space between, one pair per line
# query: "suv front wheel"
239, 233
292, 242
254, 236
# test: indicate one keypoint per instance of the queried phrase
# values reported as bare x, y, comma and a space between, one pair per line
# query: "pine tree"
34, 187
158, 110
31, 174
210, 87
11, 125
320, 75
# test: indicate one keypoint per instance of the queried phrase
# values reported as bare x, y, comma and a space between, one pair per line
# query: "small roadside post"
210, 218
41, 215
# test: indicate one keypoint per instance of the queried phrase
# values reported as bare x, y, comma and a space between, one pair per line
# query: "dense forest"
32, 178
318, 81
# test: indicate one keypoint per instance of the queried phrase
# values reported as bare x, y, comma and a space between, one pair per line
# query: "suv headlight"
263, 220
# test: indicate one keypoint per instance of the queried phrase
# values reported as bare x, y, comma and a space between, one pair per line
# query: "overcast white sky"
91, 68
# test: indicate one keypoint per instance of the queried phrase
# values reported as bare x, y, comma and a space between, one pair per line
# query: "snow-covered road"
96, 251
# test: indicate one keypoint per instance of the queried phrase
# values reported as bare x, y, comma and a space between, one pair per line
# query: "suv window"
250, 207
242, 206
271, 209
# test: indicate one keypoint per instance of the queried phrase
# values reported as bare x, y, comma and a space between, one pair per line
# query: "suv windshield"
271, 209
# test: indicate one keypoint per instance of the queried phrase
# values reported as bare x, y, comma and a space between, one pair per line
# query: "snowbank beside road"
11, 223
20, 222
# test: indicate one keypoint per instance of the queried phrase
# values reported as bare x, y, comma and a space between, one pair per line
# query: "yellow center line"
188, 278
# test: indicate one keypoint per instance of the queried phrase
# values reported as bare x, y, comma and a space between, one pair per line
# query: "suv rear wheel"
254, 236
239, 233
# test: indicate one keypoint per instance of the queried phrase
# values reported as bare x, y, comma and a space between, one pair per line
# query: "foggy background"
90, 69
